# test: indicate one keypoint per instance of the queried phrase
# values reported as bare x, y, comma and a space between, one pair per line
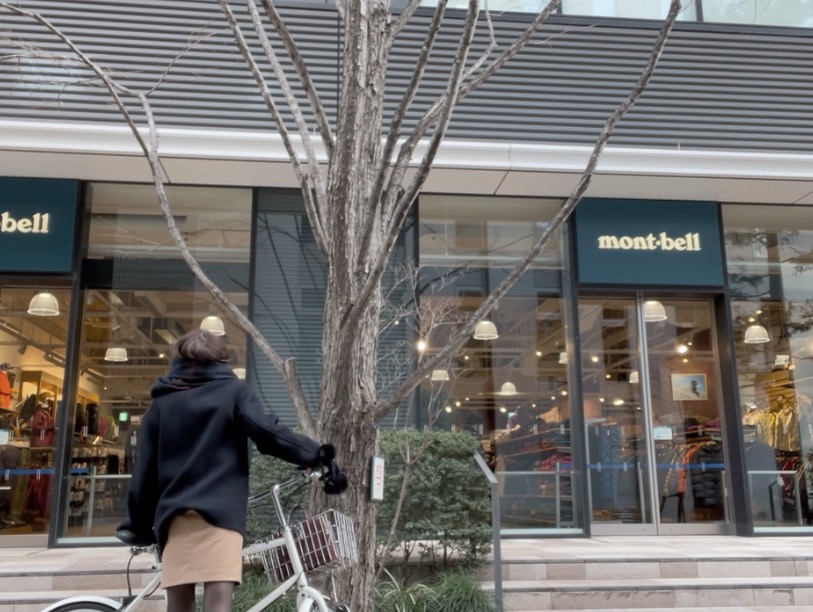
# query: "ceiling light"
682, 349
439, 375
654, 311
563, 357
503, 409
756, 334
116, 354
448, 409
564, 392
421, 345
538, 353
618, 402
457, 403
43, 304
486, 330
239, 373
508, 388
634, 379
594, 358
214, 325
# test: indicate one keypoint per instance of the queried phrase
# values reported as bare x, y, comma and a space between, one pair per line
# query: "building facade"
651, 373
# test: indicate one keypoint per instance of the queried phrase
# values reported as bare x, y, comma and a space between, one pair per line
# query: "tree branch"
301, 68
459, 339
392, 227
286, 368
387, 199
320, 236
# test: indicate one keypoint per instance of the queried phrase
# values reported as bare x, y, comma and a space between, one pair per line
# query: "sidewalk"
16, 560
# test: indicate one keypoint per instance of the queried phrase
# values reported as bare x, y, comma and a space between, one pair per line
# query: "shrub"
454, 591
393, 596
446, 514
459, 592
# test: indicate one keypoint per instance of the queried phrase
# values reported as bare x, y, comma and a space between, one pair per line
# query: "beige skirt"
199, 552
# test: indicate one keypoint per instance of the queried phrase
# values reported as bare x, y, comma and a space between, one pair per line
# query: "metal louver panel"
717, 87
287, 306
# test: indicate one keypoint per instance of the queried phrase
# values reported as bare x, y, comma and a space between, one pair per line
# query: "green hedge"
446, 515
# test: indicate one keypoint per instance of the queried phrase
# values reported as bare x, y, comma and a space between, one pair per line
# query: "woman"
190, 480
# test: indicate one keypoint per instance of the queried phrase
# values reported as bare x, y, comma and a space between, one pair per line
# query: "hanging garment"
5, 391
42, 428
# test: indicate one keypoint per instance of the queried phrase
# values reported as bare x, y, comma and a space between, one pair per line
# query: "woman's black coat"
192, 451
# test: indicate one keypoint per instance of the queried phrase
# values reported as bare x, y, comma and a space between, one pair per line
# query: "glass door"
652, 407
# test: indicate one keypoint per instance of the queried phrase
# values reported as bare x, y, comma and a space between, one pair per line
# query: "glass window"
32, 362
486, 231
138, 298
651, 9
770, 272
508, 385
795, 13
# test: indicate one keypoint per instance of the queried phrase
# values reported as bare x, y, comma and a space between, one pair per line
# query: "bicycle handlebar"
314, 475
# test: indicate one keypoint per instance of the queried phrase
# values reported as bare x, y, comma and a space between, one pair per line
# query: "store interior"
125, 345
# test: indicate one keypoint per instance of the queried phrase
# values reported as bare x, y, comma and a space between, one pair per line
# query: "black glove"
334, 479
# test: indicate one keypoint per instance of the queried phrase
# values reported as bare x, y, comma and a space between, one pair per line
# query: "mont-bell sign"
648, 242
37, 224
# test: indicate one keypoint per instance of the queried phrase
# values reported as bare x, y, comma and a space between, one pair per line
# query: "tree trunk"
348, 390
349, 351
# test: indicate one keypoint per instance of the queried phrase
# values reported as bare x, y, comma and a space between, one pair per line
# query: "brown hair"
201, 346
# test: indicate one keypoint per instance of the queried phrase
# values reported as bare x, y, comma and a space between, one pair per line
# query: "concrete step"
28, 601
74, 579
669, 593
534, 569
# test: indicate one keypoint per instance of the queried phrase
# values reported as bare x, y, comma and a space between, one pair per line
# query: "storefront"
649, 374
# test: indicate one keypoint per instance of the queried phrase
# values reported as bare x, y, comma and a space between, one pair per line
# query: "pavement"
620, 548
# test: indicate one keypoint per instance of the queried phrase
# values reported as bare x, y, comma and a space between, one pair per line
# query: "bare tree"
358, 181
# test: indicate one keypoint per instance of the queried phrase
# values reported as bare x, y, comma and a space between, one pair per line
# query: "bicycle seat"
131, 538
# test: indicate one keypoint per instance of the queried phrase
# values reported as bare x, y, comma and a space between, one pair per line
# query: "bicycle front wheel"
83, 606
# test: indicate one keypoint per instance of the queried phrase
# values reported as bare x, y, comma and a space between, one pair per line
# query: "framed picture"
689, 387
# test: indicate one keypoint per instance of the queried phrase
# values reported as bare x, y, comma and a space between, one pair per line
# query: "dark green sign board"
37, 224
648, 242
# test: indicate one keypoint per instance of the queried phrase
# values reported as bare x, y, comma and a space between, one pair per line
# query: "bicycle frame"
306, 594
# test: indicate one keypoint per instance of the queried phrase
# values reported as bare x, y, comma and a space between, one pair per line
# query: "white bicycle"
320, 543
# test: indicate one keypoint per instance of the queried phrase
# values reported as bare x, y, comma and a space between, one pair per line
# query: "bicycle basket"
324, 541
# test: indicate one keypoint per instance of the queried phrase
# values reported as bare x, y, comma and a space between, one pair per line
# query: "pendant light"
563, 358
439, 375
654, 311
634, 378
43, 304
508, 388
486, 330
116, 354
214, 325
756, 334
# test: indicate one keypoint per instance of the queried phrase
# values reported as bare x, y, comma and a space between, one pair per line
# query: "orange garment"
5, 391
